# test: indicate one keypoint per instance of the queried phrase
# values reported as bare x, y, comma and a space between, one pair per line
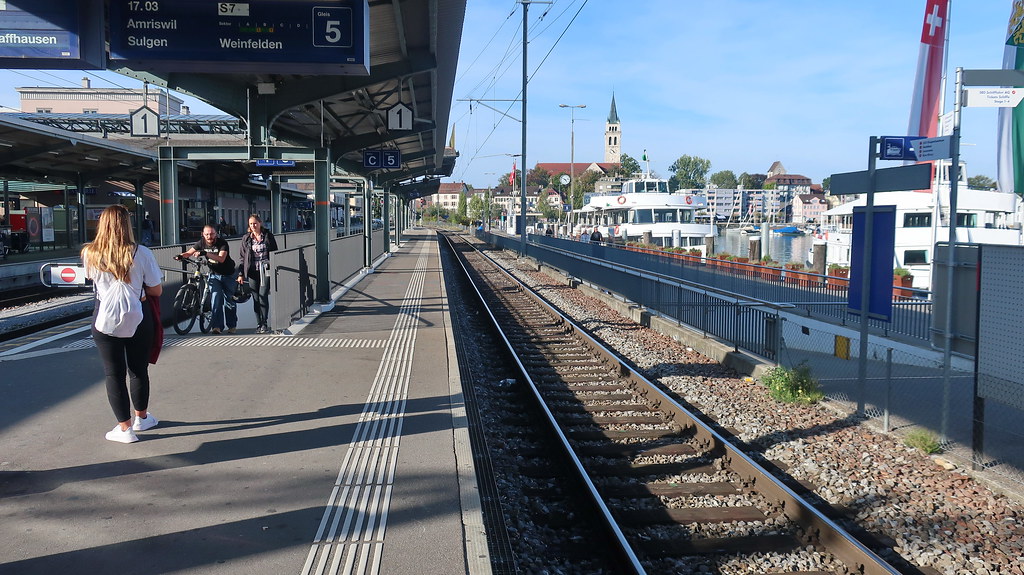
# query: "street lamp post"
572, 151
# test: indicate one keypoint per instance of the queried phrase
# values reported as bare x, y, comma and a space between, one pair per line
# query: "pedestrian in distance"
254, 268
221, 281
596, 236
124, 274
148, 231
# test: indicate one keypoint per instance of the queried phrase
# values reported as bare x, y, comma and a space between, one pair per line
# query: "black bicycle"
193, 298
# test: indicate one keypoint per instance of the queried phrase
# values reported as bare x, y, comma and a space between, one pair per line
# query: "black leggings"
124, 356
260, 287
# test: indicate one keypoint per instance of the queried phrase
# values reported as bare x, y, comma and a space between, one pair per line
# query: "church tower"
612, 136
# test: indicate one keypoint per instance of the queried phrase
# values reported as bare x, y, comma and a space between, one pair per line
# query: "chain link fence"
906, 389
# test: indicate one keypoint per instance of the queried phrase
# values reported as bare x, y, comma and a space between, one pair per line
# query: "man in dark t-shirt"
222, 279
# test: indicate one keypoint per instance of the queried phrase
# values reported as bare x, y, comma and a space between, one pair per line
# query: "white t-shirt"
145, 271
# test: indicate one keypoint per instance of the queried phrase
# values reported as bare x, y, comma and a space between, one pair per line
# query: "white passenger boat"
983, 217
646, 205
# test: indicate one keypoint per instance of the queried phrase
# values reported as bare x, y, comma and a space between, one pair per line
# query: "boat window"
967, 220
917, 220
643, 217
911, 257
686, 216
666, 216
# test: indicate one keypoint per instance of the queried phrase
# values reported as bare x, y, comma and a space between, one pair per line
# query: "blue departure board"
58, 34
258, 36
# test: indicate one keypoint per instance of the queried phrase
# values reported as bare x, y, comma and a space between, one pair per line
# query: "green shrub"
924, 440
792, 385
901, 272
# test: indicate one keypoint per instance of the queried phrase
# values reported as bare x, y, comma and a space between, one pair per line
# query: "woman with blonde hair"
124, 274
254, 268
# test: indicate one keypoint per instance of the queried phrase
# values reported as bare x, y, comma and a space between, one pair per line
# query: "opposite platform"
341, 449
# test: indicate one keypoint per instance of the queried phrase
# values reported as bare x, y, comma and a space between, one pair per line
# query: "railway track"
674, 491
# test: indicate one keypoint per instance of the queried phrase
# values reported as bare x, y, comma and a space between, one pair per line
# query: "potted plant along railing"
795, 274
838, 276
770, 269
902, 278
741, 265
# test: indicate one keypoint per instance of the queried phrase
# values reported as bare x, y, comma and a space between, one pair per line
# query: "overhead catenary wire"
506, 61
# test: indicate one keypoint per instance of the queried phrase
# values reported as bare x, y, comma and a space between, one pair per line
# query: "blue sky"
742, 83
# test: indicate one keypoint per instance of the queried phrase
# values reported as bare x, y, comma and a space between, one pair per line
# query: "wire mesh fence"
908, 390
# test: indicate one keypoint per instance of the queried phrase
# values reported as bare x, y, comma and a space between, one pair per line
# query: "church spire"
612, 135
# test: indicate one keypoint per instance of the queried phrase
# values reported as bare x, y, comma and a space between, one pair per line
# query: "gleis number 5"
333, 32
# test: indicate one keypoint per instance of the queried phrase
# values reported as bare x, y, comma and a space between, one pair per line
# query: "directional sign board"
52, 34
145, 122
399, 117
258, 36
276, 163
912, 177
927, 149
993, 97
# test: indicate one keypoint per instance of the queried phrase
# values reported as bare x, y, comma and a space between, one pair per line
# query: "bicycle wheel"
185, 306
204, 310
206, 315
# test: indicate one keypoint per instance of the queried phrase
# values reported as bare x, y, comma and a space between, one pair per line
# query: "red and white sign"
65, 275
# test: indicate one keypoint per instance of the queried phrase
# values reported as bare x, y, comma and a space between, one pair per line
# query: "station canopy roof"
413, 47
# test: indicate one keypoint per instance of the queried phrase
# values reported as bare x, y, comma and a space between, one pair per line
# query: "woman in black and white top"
255, 268
119, 267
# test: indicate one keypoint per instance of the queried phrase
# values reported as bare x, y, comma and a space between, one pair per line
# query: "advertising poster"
46, 215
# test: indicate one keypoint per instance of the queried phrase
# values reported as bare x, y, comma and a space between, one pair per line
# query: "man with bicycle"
222, 278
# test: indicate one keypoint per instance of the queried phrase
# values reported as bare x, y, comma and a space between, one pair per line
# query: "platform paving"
334, 450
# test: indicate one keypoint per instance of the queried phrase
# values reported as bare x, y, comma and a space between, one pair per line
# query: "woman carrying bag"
124, 274
255, 268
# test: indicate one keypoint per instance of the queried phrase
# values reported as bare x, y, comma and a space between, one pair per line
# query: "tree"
584, 185
826, 184
505, 179
752, 181
476, 208
538, 177
628, 165
460, 216
689, 172
980, 182
435, 212
545, 208
725, 180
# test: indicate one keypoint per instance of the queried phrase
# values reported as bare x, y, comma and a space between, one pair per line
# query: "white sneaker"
122, 436
141, 424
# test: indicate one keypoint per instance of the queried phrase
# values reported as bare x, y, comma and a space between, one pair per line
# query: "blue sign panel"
371, 159
258, 36
391, 159
898, 148
276, 163
883, 246
51, 34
